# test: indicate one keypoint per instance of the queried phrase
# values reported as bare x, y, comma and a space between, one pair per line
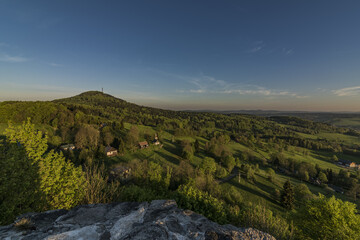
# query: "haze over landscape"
216, 55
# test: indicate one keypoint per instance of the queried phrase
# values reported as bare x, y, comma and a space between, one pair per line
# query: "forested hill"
96, 98
97, 108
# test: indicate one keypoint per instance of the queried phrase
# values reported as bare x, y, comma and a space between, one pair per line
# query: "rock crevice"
160, 219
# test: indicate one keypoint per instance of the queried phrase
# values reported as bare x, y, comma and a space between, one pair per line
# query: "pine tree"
197, 146
287, 196
122, 147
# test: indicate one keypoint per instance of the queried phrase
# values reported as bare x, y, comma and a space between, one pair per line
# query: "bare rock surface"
160, 219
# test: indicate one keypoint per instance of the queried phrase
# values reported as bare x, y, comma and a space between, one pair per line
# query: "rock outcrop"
160, 219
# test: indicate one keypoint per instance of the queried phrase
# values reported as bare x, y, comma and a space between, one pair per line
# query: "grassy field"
337, 137
350, 122
262, 191
340, 138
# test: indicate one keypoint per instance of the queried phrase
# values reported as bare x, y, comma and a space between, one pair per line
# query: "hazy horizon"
186, 55
190, 108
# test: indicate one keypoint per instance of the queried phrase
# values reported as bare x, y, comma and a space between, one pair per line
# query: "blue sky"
283, 55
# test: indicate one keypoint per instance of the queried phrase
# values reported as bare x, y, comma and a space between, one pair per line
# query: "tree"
19, 183
97, 188
108, 138
34, 142
208, 166
121, 146
60, 181
187, 152
270, 174
329, 218
322, 177
287, 196
304, 175
87, 137
249, 172
302, 193
133, 136
229, 162
197, 146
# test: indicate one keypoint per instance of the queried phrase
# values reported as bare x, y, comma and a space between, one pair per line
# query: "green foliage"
208, 166
122, 146
249, 172
270, 174
322, 177
189, 197
329, 218
295, 146
135, 193
232, 196
133, 136
302, 193
197, 146
187, 151
87, 137
229, 163
60, 181
155, 172
19, 183
287, 196
259, 217
97, 189
34, 142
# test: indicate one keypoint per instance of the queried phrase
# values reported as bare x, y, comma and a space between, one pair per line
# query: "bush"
259, 217
97, 188
329, 218
189, 197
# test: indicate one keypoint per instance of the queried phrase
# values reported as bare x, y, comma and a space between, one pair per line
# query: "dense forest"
291, 177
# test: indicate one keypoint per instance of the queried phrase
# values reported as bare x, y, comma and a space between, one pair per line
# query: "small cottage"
67, 147
144, 144
344, 162
156, 140
110, 151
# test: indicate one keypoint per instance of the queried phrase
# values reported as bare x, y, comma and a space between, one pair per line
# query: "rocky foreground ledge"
160, 219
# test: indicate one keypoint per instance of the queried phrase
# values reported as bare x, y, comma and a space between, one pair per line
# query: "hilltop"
95, 98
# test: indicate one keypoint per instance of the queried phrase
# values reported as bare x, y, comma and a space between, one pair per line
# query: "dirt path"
233, 174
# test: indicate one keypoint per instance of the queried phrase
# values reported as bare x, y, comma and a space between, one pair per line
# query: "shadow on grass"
255, 192
323, 156
168, 157
172, 147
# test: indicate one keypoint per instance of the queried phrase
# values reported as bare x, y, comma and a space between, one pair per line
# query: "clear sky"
228, 55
